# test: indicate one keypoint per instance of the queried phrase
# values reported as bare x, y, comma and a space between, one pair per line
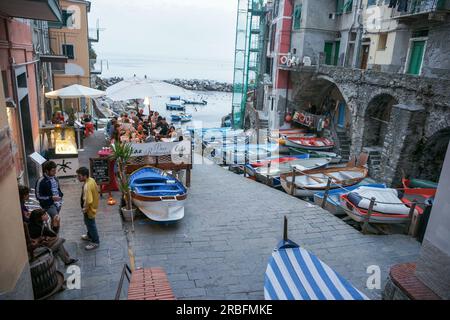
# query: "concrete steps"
374, 162
344, 143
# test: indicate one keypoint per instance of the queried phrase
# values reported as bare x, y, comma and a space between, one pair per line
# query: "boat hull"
161, 210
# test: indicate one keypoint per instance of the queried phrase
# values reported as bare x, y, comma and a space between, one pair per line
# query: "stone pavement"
221, 248
101, 268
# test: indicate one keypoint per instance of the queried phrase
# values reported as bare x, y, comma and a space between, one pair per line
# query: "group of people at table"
139, 128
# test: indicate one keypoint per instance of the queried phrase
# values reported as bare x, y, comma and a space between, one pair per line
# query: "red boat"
311, 143
265, 162
387, 210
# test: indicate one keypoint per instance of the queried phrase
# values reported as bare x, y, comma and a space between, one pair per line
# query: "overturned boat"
308, 182
157, 194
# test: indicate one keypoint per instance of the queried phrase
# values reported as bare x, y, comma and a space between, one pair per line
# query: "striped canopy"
293, 273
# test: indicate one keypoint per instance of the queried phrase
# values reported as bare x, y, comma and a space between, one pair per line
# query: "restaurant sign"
304, 118
180, 151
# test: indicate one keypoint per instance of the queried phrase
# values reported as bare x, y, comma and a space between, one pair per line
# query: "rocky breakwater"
202, 85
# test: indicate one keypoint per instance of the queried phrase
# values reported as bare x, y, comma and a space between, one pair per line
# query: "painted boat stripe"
301, 275
269, 289
289, 276
315, 274
276, 285
294, 276
281, 279
323, 276
317, 287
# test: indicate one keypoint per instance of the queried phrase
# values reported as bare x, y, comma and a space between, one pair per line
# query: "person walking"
48, 191
89, 205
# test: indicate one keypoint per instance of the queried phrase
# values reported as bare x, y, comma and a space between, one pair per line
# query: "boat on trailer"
311, 181
390, 206
157, 194
294, 273
333, 204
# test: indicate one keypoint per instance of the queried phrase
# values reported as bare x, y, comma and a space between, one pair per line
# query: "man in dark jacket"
48, 191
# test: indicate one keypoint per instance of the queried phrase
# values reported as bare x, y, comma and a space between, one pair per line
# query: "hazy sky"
164, 30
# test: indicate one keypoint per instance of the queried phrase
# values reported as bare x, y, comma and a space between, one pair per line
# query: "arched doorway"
433, 154
376, 120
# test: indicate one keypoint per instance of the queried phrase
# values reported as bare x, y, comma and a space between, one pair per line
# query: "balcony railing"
415, 8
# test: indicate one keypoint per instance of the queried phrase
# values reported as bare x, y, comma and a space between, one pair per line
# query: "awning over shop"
48, 10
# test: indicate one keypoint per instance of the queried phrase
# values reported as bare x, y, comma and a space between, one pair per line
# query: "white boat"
157, 194
391, 206
309, 182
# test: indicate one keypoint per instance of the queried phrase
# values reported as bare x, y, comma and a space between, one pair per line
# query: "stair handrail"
126, 272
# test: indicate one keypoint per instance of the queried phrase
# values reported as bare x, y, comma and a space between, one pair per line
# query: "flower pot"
128, 215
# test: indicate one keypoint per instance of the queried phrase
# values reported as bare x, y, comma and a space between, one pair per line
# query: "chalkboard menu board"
100, 170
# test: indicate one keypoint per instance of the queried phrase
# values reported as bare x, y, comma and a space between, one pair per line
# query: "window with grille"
68, 51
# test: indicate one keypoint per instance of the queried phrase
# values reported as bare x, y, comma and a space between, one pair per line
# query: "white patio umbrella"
75, 91
137, 88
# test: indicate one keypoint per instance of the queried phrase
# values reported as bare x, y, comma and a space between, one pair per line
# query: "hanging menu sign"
100, 170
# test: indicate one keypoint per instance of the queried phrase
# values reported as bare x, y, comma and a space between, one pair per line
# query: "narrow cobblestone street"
221, 248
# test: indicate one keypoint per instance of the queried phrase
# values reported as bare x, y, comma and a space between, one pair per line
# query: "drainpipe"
356, 58
290, 50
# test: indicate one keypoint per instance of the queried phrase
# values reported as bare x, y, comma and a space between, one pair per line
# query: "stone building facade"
385, 86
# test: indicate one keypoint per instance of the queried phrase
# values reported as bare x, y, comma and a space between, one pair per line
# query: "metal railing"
126, 272
418, 7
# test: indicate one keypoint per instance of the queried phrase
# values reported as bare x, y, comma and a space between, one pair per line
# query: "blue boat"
175, 98
182, 117
157, 194
333, 201
294, 273
175, 107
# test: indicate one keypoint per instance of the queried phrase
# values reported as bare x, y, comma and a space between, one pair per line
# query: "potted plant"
122, 153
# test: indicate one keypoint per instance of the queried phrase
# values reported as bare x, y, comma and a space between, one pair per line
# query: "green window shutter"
297, 16
348, 6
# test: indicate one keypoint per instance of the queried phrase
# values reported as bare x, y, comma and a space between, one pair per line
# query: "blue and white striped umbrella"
293, 273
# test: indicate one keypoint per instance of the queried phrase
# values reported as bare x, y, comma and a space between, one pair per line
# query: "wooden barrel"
43, 274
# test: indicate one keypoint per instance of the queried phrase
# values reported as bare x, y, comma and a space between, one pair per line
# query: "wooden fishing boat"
270, 173
309, 143
335, 158
418, 183
333, 204
175, 107
294, 273
391, 205
157, 194
309, 182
